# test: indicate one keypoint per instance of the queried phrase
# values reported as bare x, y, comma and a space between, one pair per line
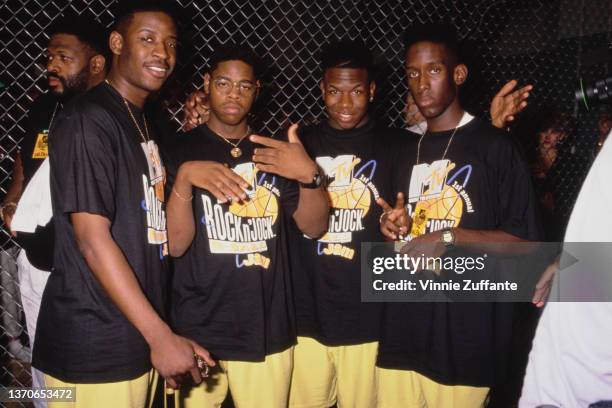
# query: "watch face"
447, 237
318, 180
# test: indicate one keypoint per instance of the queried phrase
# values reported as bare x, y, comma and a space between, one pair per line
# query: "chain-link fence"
548, 43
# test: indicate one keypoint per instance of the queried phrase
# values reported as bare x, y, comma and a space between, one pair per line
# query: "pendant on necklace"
236, 152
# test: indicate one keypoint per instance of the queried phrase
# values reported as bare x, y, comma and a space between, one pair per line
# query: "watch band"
317, 181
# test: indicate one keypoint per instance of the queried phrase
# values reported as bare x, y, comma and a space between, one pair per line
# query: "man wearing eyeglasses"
230, 200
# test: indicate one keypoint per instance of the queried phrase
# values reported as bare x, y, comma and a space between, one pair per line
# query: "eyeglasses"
225, 86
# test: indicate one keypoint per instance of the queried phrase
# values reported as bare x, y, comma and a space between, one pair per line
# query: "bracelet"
181, 197
382, 215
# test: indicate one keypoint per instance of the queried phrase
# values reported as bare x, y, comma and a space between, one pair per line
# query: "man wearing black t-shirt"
227, 214
100, 324
75, 62
334, 360
469, 185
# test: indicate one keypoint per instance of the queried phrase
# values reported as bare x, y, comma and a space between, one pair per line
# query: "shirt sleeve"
290, 196
517, 201
84, 163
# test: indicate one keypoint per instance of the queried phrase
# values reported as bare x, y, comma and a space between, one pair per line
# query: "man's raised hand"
196, 110
508, 102
286, 159
394, 221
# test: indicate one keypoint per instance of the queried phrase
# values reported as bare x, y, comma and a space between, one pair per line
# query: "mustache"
52, 75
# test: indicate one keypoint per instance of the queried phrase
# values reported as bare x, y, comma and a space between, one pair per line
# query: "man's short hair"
347, 54
125, 10
89, 31
437, 33
235, 52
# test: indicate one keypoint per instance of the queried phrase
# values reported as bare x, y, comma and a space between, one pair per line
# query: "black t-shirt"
359, 165
232, 290
483, 183
33, 150
100, 165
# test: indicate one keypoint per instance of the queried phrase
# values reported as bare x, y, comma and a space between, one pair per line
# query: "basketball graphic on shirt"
351, 195
437, 196
448, 206
355, 195
262, 204
244, 228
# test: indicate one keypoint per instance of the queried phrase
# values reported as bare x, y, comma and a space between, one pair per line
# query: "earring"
371, 99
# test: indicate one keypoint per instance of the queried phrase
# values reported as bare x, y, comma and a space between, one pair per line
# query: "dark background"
547, 43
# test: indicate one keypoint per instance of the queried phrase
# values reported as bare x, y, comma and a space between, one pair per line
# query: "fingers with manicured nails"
229, 173
219, 195
230, 191
221, 181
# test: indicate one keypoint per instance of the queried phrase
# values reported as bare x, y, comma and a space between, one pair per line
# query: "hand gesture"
394, 222
214, 177
286, 159
173, 356
542, 289
196, 110
507, 103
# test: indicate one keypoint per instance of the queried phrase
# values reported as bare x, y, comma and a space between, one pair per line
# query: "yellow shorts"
324, 376
260, 384
129, 394
409, 389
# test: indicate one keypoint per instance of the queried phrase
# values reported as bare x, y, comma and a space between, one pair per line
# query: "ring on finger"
202, 366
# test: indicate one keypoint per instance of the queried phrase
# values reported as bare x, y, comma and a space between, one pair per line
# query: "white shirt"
570, 364
35, 203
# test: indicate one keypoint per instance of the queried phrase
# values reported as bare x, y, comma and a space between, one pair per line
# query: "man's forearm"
111, 269
312, 213
489, 240
181, 226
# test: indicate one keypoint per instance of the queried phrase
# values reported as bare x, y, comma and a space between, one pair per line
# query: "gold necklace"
144, 119
447, 145
235, 151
